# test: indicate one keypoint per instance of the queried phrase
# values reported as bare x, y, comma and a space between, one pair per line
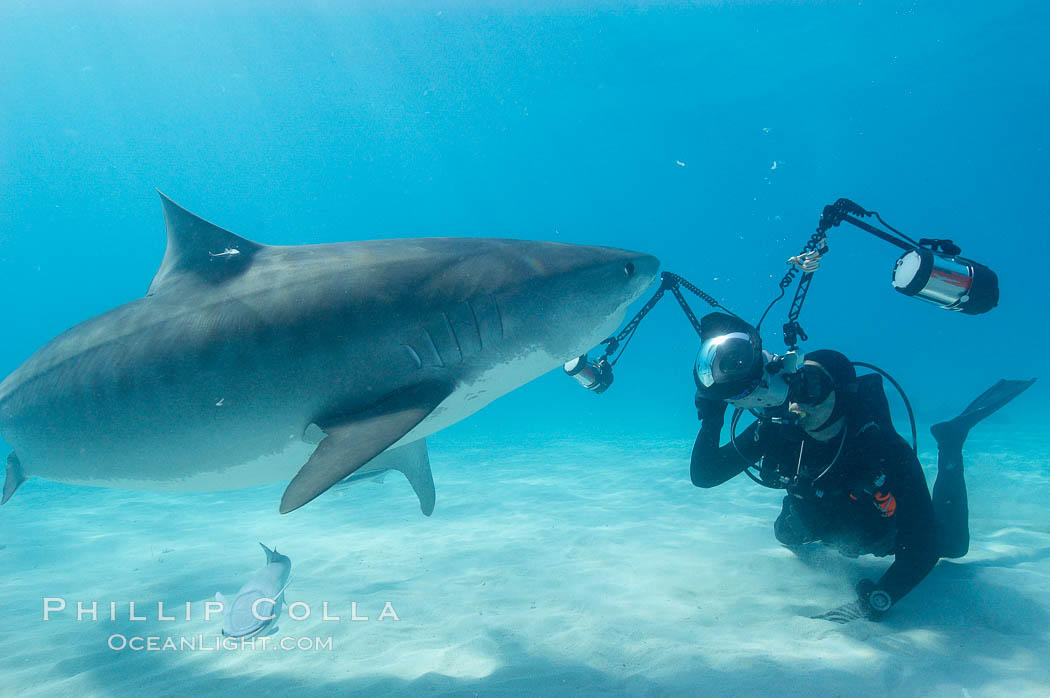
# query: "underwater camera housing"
772, 389
936, 274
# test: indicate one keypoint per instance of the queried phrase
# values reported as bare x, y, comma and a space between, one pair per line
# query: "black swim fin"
955, 430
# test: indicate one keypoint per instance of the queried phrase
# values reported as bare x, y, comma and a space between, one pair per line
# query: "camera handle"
668, 282
842, 211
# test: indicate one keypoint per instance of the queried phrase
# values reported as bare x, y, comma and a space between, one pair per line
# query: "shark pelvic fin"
15, 477
354, 440
199, 250
412, 460
417, 468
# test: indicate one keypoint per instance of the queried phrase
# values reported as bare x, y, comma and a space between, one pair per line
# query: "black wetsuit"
872, 500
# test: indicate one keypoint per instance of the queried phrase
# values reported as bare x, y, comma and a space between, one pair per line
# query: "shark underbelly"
221, 435
179, 463
200, 475
280, 466
223, 454
200, 427
477, 391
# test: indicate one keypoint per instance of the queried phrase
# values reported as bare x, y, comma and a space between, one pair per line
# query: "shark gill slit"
452, 332
414, 354
441, 359
499, 314
477, 327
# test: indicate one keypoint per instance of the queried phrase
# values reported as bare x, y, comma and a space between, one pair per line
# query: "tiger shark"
248, 364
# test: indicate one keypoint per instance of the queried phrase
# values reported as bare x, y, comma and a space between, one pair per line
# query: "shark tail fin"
15, 477
270, 554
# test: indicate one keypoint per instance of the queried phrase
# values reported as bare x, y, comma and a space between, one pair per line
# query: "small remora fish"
257, 606
228, 252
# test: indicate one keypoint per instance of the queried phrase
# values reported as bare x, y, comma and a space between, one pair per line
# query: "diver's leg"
951, 511
950, 508
953, 432
789, 528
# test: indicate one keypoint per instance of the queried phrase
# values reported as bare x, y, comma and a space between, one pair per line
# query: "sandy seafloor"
551, 565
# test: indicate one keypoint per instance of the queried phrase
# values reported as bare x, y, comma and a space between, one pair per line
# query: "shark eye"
628, 270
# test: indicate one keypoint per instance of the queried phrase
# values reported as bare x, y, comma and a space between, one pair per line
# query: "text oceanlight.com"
201, 643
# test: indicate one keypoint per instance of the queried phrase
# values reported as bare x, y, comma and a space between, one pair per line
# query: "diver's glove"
708, 409
871, 603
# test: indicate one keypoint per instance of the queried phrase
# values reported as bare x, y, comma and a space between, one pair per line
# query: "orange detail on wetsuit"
886, 503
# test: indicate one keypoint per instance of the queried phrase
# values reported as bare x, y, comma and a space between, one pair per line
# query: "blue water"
708, 134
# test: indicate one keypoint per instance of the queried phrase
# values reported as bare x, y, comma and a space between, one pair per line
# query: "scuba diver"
825, 436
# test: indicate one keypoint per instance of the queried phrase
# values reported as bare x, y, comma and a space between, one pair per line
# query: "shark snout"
640, 269
632, 271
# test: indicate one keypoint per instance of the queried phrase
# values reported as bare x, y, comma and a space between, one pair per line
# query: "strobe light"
950, 281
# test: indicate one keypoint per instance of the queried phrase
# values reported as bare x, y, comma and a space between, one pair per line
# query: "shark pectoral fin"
15, 477
313, 434
358, 438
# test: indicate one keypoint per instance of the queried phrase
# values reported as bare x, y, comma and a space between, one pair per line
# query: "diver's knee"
703, 480
788, 538
954, 551
787, 534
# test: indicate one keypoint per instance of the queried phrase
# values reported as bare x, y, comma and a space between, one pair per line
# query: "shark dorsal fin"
199, 250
